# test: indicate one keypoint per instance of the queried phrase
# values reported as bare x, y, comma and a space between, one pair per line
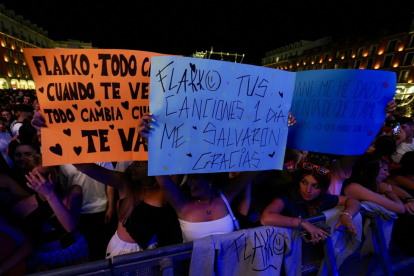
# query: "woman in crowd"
365, 184
50, 218
8, 116
20, 154
203, 210
145, 220
307, 197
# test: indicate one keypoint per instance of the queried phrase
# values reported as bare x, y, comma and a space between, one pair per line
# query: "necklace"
206, 202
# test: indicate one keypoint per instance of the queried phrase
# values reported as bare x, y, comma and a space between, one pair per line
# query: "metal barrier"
175, 259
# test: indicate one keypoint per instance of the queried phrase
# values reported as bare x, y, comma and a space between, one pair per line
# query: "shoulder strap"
235, 221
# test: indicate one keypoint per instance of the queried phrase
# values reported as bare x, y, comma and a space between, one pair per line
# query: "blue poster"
339, 111
215, 116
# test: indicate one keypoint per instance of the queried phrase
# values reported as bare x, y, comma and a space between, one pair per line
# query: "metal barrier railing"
175, 259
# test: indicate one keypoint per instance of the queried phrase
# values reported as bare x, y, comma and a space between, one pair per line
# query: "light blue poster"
215, 116
339, 111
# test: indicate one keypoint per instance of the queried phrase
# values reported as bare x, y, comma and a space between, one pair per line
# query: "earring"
210, 185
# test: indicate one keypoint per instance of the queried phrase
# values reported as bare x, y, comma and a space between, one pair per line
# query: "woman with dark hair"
307, 197
20, 154
204, 209
50, 218
9, 117
365, 184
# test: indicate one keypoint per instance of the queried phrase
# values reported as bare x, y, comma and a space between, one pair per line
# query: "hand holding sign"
214, 116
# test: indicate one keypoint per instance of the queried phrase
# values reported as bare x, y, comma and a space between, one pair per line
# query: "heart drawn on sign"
98, 103
195, 127
56, 149
77, 150
125, 105
189, 155
111, 126
67, 132
75, 106
95, 65
41, 89
281, 94
193, 67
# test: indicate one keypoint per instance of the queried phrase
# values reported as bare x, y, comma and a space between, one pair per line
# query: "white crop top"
195, 230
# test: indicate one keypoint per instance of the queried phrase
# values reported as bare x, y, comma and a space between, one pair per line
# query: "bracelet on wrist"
302, 221
407, 199
345, 213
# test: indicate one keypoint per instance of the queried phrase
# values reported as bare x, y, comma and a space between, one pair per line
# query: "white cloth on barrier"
255, 251
344, 244
387, 218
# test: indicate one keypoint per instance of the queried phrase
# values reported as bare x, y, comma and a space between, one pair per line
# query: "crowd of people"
71, 214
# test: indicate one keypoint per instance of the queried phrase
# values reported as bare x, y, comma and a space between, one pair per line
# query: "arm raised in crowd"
67, 212
115, 179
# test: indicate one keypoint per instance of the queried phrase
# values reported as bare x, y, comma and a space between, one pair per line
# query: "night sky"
182, 27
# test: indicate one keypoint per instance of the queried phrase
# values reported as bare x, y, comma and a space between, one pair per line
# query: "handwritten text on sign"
91, 100
339, 111
214, 116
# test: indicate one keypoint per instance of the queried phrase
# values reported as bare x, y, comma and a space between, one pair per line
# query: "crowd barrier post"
384, 258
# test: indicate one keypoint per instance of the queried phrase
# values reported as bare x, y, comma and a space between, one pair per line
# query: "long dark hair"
365, 172
323, 181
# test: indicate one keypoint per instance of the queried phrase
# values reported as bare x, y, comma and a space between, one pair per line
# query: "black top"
147, 221
33, 223
296, 206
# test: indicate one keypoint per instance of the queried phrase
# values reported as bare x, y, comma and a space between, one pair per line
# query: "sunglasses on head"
319, 169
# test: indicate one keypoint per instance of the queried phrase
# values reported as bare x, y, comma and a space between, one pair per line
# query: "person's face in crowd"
35, 105
309, 188
2, 126
408, 130
26, 99
138, 170
198, 186
383, 175
6, 115
22, 153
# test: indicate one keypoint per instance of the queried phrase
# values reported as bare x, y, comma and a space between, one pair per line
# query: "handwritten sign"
91, 100
214, 116
254, 251
339, 111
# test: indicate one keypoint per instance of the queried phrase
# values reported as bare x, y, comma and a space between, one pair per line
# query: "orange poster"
92, 101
